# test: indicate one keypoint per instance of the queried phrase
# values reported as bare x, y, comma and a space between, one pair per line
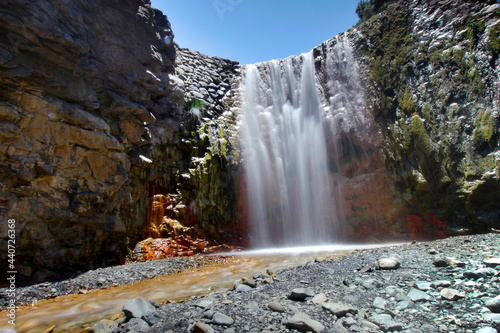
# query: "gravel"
354, 299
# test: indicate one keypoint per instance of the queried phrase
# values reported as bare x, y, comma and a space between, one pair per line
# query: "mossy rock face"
436, 103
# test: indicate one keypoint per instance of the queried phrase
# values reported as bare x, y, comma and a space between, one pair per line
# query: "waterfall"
285, 153
292, 132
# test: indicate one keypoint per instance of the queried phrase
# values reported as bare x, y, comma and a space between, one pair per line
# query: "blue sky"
251, 31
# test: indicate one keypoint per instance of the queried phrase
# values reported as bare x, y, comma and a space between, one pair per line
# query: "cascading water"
285, 152
295, 197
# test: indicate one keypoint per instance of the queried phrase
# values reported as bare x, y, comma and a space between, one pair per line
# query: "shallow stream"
74, 313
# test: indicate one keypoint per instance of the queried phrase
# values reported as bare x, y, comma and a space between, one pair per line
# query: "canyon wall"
99, 113
433, 80
111, 133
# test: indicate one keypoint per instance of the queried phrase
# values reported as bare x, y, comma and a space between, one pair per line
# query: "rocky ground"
449, 285
102, 278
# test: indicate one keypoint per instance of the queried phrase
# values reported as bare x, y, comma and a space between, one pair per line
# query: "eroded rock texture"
95, 121
434, 87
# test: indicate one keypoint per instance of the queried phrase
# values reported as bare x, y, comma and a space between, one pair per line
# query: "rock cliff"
97, 116
433, 78
111, 133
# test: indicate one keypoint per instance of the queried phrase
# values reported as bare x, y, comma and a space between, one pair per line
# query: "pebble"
339, 309
222, 319
417, 296
202, 328
388, 263
319, 299
300, 294
451, 294
303, 323
493, 262
385, 322
276, 307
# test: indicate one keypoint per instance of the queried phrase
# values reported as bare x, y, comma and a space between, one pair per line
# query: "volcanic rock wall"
94, 122
433, 80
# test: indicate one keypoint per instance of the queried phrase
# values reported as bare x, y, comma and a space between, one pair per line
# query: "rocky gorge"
123, 141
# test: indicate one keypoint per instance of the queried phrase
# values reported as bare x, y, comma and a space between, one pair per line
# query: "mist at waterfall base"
291, 126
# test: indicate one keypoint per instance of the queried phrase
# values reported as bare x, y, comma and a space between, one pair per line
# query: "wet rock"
388, 263
300, 294
276, 307
340, 309
303, 323
137, 307
451, 294
222, 319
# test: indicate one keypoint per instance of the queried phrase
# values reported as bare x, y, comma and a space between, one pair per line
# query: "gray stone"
385, 322
137, 325
379, 303
493, 262
441, 283
151, 318
487, 330
403, 305
428, 328
276, 307
240, 288
424, 286
204, 304
222, 319
104, 326
136, 307
441, 263
250, 283
339, 328
372, 284
479, 273
300, 294
303, 323
388, 263
493, 304
339, 309
416, 295
368, 325
319, 299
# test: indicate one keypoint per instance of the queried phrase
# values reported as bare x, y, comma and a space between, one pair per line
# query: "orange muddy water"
74, 313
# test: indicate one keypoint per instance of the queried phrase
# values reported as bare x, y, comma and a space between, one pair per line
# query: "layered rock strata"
95, 121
